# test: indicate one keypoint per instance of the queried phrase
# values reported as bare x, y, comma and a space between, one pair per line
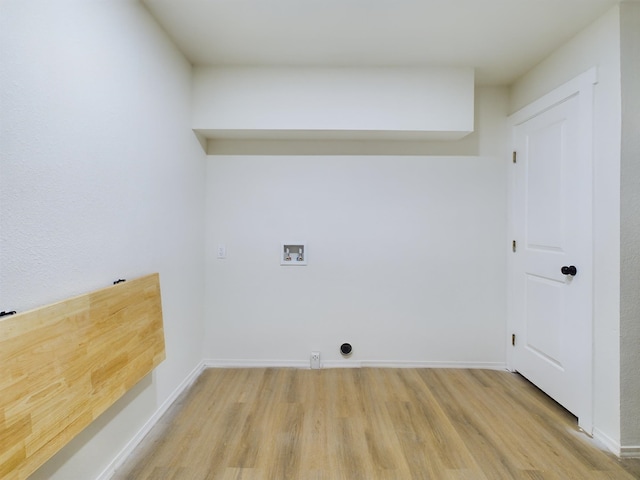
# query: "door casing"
583, 87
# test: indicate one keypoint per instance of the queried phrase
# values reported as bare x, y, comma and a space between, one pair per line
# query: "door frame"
583, 86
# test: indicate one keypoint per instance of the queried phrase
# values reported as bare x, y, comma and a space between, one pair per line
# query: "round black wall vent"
346, 349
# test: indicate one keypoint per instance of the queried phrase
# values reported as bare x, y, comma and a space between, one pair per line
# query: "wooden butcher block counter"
63, 365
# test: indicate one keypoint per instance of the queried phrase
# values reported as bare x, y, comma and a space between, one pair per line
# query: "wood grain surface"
64, 364
369, 424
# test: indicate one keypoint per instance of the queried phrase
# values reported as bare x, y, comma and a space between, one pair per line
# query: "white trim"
630, 452
219, 363
343, 364
436, 364
609, 443
567, 90
128, 449
232, 363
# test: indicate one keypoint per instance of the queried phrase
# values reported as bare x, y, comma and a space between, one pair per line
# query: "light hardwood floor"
391, 424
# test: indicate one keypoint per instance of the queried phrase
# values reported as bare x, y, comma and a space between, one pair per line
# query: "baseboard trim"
471, 365
609, 443
620, 451
220, 363
630, 451
128, 449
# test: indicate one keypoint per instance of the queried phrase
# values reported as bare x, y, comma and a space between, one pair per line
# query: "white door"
551, 265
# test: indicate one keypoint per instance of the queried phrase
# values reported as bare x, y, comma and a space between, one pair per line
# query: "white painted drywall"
486, 100
101, 178
630, 228
277, 102
599, 46
406, 255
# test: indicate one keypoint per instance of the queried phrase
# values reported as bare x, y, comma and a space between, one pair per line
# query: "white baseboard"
472, 365
609, 443
614, 446
220, 363
224, 363
632, 451
146, 428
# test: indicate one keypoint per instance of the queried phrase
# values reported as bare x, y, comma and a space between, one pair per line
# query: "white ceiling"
502, 39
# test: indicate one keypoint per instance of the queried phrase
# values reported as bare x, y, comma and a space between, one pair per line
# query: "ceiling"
502, 39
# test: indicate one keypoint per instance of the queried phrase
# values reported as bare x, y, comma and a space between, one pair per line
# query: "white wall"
254, 102
100, 178
598, 45
630, 228
406, 255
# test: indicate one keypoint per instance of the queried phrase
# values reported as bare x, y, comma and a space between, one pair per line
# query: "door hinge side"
515, 157
513, 339
514, 246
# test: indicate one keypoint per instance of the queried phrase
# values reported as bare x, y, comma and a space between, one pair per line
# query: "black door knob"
570, 270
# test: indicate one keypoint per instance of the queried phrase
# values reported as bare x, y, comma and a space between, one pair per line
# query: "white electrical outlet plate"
222, 251
315, 360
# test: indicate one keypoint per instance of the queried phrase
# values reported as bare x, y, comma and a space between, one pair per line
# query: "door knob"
570, 270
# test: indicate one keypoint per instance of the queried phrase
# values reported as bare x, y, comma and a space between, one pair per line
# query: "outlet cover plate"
315, 360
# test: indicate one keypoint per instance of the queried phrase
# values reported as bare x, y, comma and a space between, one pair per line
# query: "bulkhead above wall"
313, 103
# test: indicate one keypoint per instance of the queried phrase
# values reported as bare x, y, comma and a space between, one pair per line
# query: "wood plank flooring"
387, 424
